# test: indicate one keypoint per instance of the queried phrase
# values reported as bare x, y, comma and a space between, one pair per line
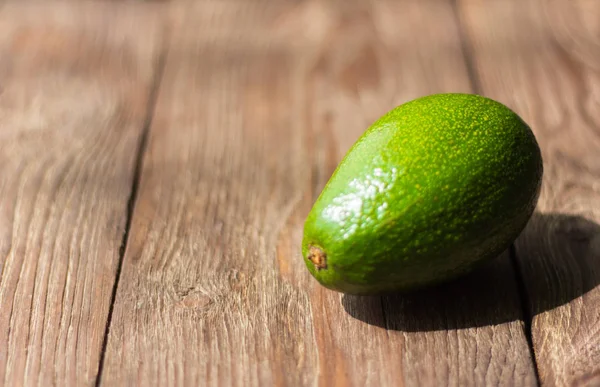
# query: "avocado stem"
317, 257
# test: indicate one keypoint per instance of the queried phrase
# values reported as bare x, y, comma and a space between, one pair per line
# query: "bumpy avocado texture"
433, 188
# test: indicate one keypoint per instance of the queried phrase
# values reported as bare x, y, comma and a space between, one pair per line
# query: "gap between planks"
140, 152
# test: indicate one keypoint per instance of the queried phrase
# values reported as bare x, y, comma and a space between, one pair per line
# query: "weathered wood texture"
74, 81
543, 59
258, 103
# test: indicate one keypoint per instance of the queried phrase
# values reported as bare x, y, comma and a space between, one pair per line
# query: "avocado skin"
433, 188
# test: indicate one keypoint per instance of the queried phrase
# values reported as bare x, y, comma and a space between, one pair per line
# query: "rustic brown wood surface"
158, 160
542, 58
253, 115
73, 98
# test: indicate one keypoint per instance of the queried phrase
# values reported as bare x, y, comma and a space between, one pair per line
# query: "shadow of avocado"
557, 260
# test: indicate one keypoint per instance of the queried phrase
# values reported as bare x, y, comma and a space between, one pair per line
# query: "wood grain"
542, 59
72, 104
259, 102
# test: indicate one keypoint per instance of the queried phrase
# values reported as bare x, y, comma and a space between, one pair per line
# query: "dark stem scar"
317, 257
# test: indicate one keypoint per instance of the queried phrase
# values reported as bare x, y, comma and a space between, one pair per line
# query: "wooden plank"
74, 84
541, 58
259, 102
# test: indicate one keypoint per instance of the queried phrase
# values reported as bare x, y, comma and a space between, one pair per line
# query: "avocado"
431, 190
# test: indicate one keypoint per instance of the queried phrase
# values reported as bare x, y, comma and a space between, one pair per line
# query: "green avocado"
433, 188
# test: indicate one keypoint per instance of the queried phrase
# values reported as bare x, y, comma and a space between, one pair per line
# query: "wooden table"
157, 161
